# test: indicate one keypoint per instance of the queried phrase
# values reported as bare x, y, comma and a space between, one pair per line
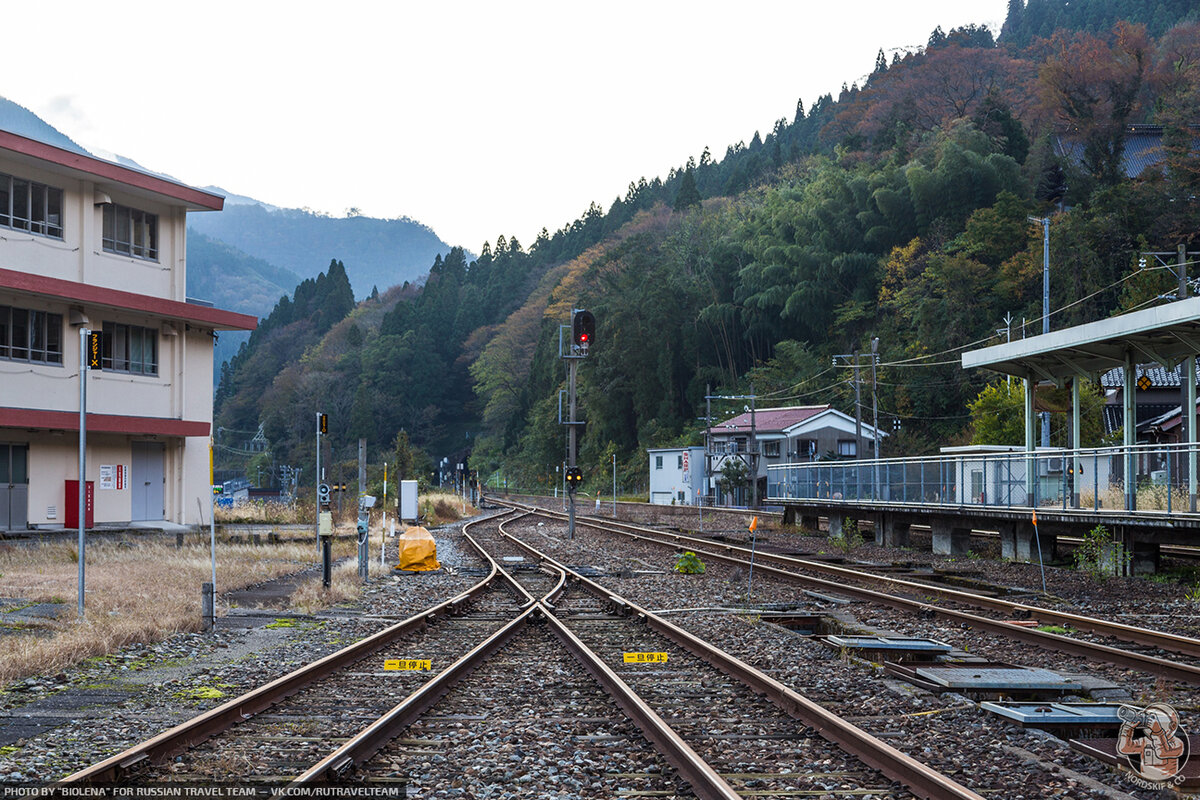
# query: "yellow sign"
407, 664
645, 658
93, 350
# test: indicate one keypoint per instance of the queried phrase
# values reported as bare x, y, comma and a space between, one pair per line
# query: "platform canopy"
1166, 334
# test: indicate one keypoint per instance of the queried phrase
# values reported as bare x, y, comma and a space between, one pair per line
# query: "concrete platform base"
949, 539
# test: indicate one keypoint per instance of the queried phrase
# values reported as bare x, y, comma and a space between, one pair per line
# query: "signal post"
583, 331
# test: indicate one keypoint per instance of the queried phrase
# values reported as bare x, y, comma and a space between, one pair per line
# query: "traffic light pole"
571, 369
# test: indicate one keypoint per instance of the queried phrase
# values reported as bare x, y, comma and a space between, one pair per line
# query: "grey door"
146, 480
14, 486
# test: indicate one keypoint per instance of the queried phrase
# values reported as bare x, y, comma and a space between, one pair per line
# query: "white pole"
83, 342
614, 485
212, 525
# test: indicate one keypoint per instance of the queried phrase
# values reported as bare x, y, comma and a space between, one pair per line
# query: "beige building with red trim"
87, 243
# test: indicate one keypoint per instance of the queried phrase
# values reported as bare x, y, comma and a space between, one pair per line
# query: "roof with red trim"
101, 170
767, 420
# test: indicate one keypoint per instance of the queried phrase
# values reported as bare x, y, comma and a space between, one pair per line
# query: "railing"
1087, 479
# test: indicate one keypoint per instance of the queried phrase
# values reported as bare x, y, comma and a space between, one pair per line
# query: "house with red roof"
768, 436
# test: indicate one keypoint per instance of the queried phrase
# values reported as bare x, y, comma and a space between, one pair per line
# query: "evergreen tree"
688, 195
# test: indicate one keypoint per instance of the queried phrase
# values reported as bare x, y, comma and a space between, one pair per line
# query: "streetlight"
1045, 223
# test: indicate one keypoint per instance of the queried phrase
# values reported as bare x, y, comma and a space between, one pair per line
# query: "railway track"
772, 565
513, 666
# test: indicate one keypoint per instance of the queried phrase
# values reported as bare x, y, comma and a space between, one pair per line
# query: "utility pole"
1187, 406
875, 413
753, 453
84, 340
1045, 223
853, 358
751, 447
708, 478
363, 517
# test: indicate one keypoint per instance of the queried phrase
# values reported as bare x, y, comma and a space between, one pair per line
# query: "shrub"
689, 564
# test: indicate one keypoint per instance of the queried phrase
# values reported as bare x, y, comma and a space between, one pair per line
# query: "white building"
676, 475
86, 243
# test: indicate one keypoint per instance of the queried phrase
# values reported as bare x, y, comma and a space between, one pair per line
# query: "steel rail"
200, 728
918, 778
1153, 665
365, 744
1170, 642
704, 780
362, 746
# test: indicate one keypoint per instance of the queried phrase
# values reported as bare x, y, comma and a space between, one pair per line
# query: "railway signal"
574, 479
583, 329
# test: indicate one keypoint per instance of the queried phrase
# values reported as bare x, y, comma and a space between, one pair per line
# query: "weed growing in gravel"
1059, 629
689, 564
851, 538
1100, 555
203, 693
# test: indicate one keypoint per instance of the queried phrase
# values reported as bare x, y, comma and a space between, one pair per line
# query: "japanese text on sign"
642, 658
407, 664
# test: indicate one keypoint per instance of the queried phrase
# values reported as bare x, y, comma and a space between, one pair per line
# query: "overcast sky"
475, 118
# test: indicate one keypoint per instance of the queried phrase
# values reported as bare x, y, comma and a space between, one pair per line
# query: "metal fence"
1087, 479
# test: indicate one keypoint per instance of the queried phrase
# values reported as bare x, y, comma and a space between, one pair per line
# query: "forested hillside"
897, 210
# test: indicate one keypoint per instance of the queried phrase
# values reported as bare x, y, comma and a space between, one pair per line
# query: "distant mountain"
376, 252
230, 279
23, 122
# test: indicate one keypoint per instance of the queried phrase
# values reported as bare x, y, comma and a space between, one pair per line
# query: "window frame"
40, 201
120, 341
658, 462
771, 449
852, 448
128, 231
42, 336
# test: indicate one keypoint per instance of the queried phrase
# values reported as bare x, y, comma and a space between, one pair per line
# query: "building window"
681, 497
30, 206
658, 462
847, 447
27, 335
130, 231
129, 348
679, 463
771, 449
806, 448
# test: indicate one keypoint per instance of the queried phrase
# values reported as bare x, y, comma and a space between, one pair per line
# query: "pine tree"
880, 63
688, 194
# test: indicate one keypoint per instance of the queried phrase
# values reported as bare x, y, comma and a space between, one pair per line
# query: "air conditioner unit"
1158, 477
1050, 466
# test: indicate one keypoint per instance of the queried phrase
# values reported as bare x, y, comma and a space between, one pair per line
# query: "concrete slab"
991, 678
1056, 715
894, 644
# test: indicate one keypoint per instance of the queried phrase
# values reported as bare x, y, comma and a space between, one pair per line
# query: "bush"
689, 564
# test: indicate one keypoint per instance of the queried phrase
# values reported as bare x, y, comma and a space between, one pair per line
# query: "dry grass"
142, 593
439, 508
1149, 498
267, 513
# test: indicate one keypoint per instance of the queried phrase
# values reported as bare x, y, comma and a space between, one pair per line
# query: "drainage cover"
1057, 715
892, 645
995, 677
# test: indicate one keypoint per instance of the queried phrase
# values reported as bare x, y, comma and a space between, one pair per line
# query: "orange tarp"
418, 550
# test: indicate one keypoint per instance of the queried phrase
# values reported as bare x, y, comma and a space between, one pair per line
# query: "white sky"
475, 118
